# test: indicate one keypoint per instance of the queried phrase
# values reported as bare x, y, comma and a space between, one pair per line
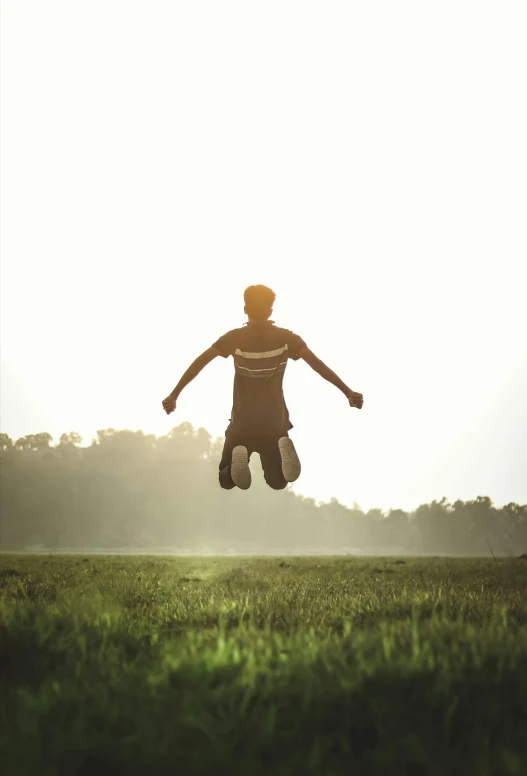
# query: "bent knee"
280, 485
225, 480
227, 487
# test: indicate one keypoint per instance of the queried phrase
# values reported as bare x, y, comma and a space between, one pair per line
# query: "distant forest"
131, 490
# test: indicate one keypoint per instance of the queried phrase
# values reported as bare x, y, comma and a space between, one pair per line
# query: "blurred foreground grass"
144, 665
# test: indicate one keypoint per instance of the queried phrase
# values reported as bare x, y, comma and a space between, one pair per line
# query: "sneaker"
240, 472
290, 461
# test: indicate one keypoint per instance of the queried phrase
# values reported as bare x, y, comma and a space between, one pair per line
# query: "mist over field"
135, 492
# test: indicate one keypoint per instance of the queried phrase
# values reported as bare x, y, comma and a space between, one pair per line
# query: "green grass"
140, 665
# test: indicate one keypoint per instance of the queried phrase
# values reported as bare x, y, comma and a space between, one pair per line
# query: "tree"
72, 439
34, 443
431, 527
6, 443
395, 530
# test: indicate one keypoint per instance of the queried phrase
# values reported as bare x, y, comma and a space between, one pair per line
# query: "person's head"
259, 302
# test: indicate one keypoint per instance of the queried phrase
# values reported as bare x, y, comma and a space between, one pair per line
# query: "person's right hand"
355, 399
169, 404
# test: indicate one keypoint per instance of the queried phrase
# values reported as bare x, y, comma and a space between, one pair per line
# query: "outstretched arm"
355, 399
169, 404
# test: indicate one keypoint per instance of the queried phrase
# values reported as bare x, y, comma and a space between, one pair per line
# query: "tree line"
131, 490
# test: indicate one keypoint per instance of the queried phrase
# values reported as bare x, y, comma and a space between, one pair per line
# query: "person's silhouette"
260, 420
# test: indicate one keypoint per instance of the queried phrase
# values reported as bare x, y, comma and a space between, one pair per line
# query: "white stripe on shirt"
271, 369
267, 354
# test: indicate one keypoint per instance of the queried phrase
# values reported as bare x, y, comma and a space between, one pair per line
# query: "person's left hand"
355, 399
169, 404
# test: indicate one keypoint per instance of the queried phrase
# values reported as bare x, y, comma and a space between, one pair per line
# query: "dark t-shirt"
260, 351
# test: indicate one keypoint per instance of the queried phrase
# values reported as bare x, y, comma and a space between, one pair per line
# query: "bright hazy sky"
368, 161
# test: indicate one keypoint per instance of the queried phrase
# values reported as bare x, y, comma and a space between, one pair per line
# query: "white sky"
366, 160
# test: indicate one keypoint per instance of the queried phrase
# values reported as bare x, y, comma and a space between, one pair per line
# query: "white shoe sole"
291, 467
240, 472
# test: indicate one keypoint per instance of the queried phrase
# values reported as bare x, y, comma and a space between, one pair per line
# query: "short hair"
259, 301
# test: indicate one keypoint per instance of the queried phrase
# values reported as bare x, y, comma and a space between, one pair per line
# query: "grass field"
141, 665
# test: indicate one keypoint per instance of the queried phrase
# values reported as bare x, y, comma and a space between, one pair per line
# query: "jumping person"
260, 419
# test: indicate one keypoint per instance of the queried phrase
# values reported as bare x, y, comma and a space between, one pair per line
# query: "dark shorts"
267, 449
